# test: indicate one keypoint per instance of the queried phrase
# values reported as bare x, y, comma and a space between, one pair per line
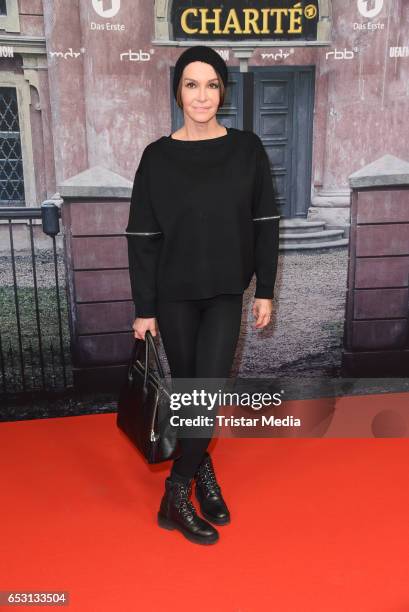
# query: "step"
296, 221
300, 229
300, 226
313, 245
322, 236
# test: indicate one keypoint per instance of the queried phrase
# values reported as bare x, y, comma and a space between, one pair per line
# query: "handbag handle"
149, 343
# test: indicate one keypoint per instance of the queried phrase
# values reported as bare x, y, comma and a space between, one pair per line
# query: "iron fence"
34, 322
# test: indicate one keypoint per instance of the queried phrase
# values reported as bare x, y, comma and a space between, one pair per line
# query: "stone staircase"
300, 234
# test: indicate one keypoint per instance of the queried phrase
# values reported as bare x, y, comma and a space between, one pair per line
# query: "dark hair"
221, 90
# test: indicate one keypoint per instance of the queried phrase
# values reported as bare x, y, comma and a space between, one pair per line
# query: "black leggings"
200, 338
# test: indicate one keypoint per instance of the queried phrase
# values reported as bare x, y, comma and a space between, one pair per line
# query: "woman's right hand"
141, 324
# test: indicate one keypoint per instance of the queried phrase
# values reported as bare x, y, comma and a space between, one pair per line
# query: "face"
200, 91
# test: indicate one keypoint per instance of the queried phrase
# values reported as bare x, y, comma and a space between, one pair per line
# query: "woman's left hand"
262, 309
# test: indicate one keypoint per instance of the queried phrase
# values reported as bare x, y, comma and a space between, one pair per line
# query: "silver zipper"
142, 233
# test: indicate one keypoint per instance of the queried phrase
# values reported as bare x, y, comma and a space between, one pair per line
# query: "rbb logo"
345, 54
135, 56
106, 8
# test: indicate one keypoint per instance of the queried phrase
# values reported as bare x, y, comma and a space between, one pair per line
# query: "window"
11, 162
9, 16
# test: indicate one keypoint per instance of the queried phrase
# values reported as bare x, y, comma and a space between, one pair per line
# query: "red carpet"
317, 524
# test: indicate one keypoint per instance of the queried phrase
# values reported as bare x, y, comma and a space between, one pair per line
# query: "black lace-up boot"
177, 512
208, 493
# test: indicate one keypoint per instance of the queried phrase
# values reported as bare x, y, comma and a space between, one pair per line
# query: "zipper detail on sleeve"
142, 233
263, 218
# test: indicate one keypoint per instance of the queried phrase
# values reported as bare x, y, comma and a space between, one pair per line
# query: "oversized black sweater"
203, 218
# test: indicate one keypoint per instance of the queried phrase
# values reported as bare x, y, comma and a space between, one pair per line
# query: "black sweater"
203, 218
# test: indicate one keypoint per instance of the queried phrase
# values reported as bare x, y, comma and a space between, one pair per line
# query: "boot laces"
185, 505
207, 477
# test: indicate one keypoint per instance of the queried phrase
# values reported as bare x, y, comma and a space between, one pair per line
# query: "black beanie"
199, 53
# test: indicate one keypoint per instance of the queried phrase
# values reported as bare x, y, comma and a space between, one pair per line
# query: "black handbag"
144, 406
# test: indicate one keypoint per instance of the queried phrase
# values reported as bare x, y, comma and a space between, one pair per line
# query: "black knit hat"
199, 53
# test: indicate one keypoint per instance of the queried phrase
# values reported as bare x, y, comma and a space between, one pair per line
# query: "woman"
202, 220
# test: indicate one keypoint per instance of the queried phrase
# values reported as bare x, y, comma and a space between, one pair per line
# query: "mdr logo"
100, 7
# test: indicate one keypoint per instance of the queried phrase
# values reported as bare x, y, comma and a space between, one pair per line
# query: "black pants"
200, 339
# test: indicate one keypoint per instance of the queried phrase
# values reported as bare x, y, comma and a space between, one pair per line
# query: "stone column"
376, 334
95, 213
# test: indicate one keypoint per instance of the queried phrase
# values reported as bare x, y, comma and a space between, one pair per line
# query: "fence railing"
34, 321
